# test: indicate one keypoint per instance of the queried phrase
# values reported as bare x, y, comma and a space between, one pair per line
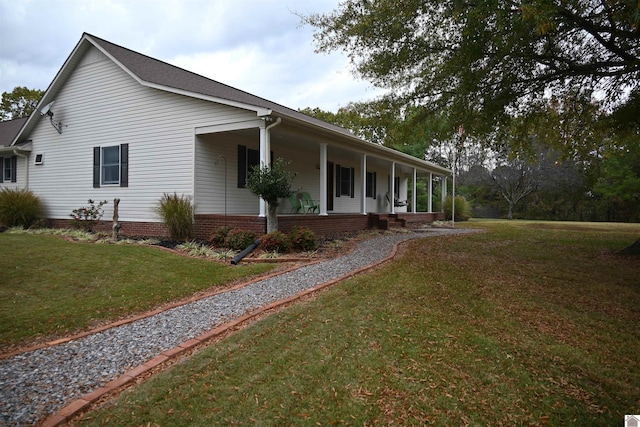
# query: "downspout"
26, 168
268, 140
245, 252
266, 158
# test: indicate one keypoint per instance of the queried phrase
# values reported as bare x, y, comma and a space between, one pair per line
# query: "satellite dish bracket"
46, 110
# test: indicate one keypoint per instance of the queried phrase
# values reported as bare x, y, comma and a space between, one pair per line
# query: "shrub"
276, 241
177, 214
463, 208
219, 237
86, 217
303, 239
239, 239
19, 208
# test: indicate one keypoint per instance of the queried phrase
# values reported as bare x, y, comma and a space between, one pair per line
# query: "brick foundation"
130, 229
206, 224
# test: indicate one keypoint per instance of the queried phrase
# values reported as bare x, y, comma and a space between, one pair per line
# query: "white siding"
101, 105
210, 177
305, 165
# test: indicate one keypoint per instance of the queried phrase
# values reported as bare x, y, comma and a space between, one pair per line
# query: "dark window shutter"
253, 160
353, 183
375, 183
338, 181
242, 166
14, 168
1, 169
96, 167
124, 165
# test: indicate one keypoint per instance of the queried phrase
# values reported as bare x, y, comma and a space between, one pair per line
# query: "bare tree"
514, 181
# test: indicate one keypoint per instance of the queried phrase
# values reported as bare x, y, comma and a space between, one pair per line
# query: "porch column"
430, 193
363, 196
392, 191
444, 190
414, 193
323, 178
264, 160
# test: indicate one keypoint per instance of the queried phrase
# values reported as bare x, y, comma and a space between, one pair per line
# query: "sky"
259, 46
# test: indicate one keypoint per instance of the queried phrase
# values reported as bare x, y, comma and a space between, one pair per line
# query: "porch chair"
308, 204
295, 203
396, 203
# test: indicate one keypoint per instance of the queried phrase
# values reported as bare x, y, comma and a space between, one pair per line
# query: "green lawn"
525, 321
50, 287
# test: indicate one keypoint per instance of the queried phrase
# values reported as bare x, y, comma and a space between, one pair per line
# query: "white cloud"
254, 45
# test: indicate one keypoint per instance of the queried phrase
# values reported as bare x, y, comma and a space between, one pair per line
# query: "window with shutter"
371, 185
248, 159
111, 165
9, 169
345, 181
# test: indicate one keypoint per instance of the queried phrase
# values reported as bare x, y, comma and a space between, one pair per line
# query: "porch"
322, 225
341, 173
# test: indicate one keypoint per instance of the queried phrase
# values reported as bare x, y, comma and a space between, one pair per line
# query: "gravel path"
36, 384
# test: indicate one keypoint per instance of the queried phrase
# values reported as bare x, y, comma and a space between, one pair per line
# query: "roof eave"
46, 98
22, 148
372, 147
260, 111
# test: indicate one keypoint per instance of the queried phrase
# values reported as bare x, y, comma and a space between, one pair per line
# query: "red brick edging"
83, 403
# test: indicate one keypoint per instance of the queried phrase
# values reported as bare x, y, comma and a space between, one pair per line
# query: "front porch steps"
386, 221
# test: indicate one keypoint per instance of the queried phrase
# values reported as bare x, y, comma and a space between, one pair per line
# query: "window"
9, 167
248, 159
396, 185
345, 181
371, 184
111, 165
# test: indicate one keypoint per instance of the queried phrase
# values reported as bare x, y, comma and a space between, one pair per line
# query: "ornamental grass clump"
462, 208
19, 208
177, 214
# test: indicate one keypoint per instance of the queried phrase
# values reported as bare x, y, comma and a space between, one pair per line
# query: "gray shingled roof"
9, 130
152, 70
156, 73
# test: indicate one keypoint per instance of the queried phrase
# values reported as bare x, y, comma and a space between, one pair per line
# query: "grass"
526, 321
50, 287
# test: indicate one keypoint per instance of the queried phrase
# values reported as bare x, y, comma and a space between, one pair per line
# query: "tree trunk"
510, 214
272, 218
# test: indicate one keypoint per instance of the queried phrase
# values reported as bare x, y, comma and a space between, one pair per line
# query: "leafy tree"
484, 62
370, 121
271, 183
619, 180
19, 103
402, 128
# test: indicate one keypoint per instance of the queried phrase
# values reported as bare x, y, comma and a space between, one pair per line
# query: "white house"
118, 124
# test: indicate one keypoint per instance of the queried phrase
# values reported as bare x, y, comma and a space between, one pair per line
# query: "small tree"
271, 183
